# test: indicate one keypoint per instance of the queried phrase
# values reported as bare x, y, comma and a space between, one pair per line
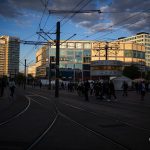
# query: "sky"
118, 18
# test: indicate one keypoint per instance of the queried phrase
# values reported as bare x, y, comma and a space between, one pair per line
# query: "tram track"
104, 114
61, 114
18, 114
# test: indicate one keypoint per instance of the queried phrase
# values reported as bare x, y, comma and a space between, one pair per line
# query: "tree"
131, 72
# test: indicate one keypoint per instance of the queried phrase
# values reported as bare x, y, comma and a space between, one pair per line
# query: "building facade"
32, 70
9, 55
129, 53
76, 58
141, 38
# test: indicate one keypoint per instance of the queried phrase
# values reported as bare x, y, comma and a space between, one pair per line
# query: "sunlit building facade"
142, 38
119, 55
76, 57
9, 55
31, 70
129, 53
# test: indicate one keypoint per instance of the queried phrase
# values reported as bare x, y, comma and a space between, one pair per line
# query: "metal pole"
74, 74
25, 74
106, 49
49, 73
57, 59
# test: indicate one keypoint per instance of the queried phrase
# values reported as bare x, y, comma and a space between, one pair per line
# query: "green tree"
131, 72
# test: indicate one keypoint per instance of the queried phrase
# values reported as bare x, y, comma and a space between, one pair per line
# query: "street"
35, 119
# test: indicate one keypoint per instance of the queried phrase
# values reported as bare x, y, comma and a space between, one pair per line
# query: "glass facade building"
75, 58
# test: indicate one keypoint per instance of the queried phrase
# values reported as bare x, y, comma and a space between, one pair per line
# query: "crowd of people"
102, 89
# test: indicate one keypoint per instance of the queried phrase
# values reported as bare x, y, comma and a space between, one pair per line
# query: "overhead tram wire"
39, 25
76, 13
120, 28
78, 4
116, 30
111, 25
124, 20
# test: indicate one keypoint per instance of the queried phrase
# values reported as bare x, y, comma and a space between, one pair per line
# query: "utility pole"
57, 59
106, 50
25, 73
50, 72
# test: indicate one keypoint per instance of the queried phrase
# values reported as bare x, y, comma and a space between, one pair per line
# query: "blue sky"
22, 18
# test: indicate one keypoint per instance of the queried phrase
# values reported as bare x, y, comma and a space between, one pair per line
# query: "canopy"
118, 81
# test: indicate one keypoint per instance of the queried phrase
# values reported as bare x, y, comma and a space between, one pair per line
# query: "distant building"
76, 57
127, 52
141, 38
9, 55
119, 55
32, 70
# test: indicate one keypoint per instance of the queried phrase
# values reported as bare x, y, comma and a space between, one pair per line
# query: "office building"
141, 38
9, 55
76, 57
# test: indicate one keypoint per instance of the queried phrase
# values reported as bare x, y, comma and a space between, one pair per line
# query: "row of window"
75, 45
76, 53
72, 66
134, 54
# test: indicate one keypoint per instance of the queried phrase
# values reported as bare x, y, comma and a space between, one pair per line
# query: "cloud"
134, 14
94, 22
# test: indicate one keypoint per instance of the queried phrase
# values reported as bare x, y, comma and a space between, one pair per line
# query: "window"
87, 53
70, 52
128, 53
71, 45
78, 66
87, 45
79, 45
86, 59
52, 52
86, 67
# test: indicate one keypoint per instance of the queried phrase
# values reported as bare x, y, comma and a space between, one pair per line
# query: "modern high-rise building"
141, 38
9, 55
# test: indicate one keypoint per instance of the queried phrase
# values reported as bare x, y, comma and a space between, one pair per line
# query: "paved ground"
34, 119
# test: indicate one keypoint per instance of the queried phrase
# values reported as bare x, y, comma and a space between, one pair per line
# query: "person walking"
125, 88
86, 90
142, 90
2, 86
112, 91
12, 87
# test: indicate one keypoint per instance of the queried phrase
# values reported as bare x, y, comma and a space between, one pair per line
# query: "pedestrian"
142, 90
40, 84
2, 86
86, 90
125, 88
12, 87
112, 91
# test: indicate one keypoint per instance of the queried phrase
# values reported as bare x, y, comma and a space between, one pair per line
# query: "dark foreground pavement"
34, 119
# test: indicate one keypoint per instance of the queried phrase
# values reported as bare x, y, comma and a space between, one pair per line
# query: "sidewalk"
5, 100
10, 106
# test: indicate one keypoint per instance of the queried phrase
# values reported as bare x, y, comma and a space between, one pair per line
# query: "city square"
74, 75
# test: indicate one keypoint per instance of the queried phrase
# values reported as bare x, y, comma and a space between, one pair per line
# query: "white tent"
118, 81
